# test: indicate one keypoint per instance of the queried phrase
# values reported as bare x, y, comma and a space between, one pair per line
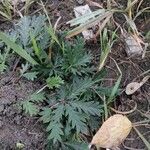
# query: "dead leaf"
134, 86
90, 20
112, 132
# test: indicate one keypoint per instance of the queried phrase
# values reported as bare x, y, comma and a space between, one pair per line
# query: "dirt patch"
14, 125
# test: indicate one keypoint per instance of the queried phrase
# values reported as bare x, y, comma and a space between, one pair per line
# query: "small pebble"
18, 120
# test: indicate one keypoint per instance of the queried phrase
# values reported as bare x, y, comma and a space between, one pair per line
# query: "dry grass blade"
88, 24
137, 10
131, 4
6, 9
46, 13
140, 12
103, 24
116, 87
106, 44
28, 3
131, 24
147, 144
86, 17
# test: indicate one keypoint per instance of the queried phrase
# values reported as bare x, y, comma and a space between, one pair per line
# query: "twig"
130, 148
125, 112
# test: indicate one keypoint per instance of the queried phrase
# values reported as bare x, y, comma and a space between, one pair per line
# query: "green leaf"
80, 86
105, 48
3, 67
92, 108
45, 115
38, 25
37, 97
114, 90
54, 82
30, 75
116, 87
53, 35
77, 145
55, 129
58, 112
24, 68
76, 119
36, 49
18, 49
23, 28
75, 57
30, 108
105, 91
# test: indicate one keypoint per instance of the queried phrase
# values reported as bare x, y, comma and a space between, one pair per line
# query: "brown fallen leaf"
134, 86
112, 132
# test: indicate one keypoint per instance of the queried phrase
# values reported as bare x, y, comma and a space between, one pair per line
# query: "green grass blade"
36, 49
114, 90
116, 87
5, 15
18, 49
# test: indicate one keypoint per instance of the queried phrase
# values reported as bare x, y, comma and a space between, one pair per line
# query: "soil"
17, 127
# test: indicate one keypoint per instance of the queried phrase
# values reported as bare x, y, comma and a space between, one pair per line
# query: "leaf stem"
40, 90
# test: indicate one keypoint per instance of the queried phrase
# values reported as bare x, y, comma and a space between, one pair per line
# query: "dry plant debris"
112, 132
133, 45
79, 11
134, 86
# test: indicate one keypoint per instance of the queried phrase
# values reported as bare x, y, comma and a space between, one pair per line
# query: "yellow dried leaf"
113, 132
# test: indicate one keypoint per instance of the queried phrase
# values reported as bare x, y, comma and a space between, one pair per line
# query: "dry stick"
145, 72
45, 11
141, 122
125, 112
56, 24
145, 133
103, 24
147, 144
130, 148
137, 10
105, 108
40, 90
143, 114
